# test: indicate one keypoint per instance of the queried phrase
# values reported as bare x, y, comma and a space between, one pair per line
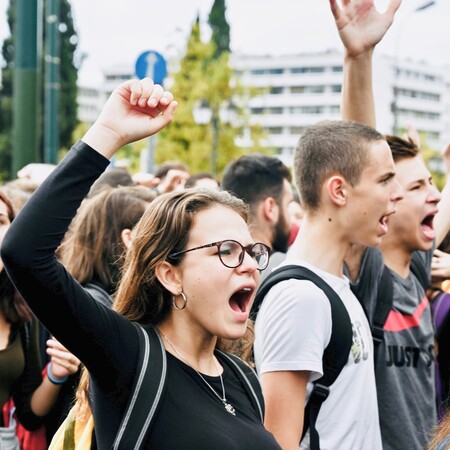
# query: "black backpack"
335, 355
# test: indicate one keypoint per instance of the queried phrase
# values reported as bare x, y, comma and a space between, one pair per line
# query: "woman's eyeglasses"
231, 253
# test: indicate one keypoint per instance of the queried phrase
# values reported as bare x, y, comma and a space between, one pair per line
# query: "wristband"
52, 379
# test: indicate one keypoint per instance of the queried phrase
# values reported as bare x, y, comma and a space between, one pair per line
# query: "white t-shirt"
292, 329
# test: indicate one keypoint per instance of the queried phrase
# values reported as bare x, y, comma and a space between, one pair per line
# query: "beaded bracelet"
52, 379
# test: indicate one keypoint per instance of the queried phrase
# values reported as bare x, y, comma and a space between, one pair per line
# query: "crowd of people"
110, 279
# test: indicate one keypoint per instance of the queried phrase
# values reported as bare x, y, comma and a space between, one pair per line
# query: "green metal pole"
26, 82
52, 86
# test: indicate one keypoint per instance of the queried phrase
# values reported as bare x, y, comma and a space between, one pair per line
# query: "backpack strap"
385, 300
249, 380
336, 353
418, 269
148, 389
383, 307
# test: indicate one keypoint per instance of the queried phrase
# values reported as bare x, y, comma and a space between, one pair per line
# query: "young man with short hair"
264, 183
405, 356
346, 179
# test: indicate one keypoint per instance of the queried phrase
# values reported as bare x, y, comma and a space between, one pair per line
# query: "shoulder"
295, 295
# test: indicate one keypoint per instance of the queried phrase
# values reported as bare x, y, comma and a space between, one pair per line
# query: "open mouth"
384, 223
427, 226
240, 300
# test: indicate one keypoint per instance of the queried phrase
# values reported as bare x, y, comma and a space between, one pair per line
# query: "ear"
170, 277
125, 235
337, 190
270, 210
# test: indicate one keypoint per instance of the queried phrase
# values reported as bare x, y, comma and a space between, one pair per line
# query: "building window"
275, 110
296, 130
297, 89
276, 90
336, 88
274, 130
335, 109
276, 71
257, 111
257, 72
306, 109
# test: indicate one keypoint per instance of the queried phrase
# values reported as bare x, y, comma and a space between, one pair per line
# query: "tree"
199, 79
220, 28
67, 117
184, 140
6, 101
204, 78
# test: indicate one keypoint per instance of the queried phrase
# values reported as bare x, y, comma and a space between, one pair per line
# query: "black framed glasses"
231, 253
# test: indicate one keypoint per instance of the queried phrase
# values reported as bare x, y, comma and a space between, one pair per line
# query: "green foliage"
430, 156
205, 78
67, 117
6, 103
220, 28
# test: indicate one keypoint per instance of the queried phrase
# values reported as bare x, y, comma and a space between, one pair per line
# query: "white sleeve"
292, 329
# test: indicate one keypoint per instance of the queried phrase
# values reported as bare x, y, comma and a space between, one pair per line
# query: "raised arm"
135, 109
360, 28
442, 219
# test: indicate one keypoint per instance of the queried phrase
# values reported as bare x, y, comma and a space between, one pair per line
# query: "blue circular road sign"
151, 64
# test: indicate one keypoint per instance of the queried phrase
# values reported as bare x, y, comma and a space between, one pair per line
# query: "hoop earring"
174, 301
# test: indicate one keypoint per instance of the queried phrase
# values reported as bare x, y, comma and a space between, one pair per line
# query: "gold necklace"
228, 407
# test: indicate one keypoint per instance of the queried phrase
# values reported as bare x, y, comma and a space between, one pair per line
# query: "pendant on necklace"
229, 408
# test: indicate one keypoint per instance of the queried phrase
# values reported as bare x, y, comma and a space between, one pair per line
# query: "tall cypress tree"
68, 119
220, 27
6, 100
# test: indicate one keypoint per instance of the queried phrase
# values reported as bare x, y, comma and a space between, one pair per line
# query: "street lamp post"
214, 141
214, 116
205, 115
395, 108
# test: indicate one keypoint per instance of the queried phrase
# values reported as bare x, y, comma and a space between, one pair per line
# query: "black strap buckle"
377, 333
321, 392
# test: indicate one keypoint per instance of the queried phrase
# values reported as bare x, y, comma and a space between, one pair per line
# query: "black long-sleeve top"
190, 415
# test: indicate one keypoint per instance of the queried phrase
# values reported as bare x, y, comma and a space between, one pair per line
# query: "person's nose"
397, 193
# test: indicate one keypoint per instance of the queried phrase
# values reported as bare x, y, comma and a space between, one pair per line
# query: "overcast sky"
117, 32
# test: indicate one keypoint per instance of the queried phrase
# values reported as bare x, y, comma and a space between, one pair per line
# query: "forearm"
45, 397
442, 218
357, 94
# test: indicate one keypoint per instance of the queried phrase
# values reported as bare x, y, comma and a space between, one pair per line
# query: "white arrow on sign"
151, 59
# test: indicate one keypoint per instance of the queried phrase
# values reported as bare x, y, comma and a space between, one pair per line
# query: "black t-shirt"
192, 416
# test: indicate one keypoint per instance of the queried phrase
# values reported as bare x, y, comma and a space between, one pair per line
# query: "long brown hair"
441, 430
163, 229
12, 306
92, 247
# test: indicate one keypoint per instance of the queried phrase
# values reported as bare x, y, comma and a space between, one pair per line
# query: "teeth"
246, 289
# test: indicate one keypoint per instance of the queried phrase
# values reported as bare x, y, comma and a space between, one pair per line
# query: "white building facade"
300, 90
